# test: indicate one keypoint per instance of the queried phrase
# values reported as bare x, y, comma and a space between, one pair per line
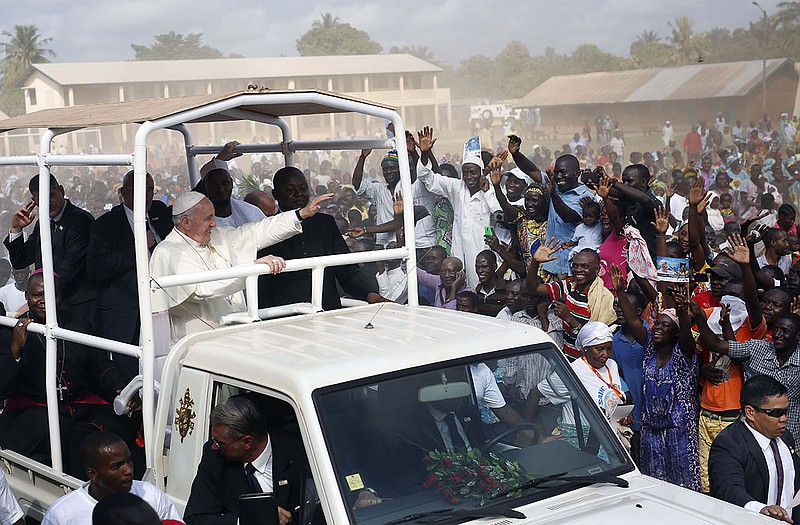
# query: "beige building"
403, 81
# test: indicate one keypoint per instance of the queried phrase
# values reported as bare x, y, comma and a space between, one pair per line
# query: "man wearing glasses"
243, 457
752, 462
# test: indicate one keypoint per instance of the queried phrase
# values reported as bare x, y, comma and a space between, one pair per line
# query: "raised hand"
397, 203
695, 311
514, 143
796, 305
426, 139
703, 203
757, 233
496, 175
314, 206
670, 190
740, 251
661, 224
23, 217
365, 153
497, 161
546, 251
411, 142
697, 193
604, 184
617, 280
724, 312
681, 301
227, 152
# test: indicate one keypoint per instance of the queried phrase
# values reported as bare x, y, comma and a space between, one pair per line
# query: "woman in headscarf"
597, 373
669, 421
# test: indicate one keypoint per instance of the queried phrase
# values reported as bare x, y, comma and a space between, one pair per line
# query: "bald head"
263, 200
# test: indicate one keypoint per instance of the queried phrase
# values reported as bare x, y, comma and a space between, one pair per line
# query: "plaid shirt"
758, 358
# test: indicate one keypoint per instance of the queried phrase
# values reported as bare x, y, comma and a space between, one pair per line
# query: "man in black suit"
70, 239
320, 236
752, 462
237, 461
111, 263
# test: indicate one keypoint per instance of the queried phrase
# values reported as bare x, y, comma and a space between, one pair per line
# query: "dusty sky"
88, 31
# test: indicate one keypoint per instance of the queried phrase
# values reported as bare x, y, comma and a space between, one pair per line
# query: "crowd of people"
580, 244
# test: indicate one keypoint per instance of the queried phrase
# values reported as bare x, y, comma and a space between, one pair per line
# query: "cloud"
91, 30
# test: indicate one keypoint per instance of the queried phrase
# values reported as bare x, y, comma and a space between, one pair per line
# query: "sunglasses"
220, 446
773, 412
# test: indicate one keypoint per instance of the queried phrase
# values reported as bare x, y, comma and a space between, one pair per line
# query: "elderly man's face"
198, 225
449, 272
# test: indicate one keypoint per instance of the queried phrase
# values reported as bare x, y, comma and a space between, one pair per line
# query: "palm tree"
23, 47
327, 21
686, 45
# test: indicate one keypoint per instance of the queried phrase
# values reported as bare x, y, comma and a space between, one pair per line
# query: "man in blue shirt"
566, 193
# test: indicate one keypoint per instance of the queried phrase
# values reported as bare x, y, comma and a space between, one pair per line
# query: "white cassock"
472, 214
198, 307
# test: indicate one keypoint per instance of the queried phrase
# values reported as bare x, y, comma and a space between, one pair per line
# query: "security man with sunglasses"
753, 462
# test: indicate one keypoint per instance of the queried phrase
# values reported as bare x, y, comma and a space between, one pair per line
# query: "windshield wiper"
562, 476
464, 513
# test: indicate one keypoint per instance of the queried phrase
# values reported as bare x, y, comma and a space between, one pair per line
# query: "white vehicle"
354, 385
494, 112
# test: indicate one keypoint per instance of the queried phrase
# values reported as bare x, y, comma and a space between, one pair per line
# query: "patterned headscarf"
391, 156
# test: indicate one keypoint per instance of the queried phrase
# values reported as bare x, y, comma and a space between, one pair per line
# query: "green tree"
21, 48
175, 46
513, 71
329, 36
687, 46
422, 52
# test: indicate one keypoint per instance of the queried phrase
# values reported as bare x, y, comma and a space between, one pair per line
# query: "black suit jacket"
111, 265
738, 471
70, 241
320, 237
219, 483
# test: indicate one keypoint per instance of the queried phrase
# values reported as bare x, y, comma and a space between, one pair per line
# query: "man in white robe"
196, 245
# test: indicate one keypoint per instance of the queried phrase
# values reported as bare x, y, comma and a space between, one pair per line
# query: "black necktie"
250, 472
773, 444
455, 436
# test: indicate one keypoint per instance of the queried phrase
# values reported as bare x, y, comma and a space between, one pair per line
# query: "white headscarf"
593, 333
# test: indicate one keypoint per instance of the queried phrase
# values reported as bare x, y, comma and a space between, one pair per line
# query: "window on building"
31, 96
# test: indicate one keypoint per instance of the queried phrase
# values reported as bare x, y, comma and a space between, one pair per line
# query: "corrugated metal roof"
307, 102
696, 81
67, 74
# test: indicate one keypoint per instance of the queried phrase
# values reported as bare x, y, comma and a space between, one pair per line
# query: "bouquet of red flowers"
459, 475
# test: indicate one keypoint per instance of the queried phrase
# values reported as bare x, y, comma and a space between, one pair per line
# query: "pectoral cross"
61, 389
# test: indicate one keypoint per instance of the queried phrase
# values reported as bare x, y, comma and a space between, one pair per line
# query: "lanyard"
609, 383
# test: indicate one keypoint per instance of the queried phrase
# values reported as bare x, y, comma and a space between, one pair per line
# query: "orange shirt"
725, 396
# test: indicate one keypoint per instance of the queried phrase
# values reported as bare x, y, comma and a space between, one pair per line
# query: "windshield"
465, 435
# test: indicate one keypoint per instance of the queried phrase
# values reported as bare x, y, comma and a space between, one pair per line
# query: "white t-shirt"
784, 263
12, 298
10, 511
598, 389
486, 389
241, 213
76, 507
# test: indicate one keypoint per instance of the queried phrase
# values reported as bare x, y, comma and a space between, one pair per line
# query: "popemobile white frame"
254, 106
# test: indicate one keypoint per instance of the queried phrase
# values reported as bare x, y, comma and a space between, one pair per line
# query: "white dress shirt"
788, 472
263, 466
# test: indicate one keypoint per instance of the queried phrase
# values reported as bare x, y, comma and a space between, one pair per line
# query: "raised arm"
632, 320
358, 171
685, 337
566, 213
741, 254
426, 142
508, 257
523, 162
603, 187
542, 255
697, 235
707, 337
510, 210
661, 225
